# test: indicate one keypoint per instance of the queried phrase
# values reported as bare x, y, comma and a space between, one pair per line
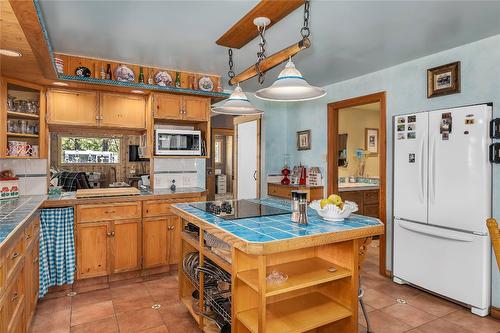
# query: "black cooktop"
238, 209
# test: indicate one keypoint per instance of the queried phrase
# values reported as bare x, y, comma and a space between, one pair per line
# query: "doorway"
222, 164
247, 157
356, 159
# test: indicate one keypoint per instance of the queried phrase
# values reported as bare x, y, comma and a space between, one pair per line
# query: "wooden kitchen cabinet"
122, 110
285, 191
167, 106
125, 246
92, 249
155, 241
71, 107
196, 108
367, 201
174, 234
178, 107
32, 278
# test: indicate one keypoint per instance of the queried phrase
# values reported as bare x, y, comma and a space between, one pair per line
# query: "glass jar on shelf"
10, 103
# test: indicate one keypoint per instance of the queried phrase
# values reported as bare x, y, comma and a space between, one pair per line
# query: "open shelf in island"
297, 314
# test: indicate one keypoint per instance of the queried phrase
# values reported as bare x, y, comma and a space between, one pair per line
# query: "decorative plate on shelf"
206, 84
163, 79
124, 74
82, 71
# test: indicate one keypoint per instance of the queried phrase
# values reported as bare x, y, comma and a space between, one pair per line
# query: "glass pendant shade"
237, 104
290, 86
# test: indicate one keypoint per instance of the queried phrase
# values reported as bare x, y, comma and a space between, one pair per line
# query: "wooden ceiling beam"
27, 17
271, 61
244, 30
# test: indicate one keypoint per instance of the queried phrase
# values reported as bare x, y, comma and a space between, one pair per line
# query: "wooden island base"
320, 295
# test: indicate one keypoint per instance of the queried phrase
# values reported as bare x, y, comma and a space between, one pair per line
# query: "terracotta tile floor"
126, 307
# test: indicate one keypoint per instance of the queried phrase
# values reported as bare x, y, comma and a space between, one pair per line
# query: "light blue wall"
406, 86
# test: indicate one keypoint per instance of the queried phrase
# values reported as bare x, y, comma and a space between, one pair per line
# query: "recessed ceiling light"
137, 91
59, 83
10, 53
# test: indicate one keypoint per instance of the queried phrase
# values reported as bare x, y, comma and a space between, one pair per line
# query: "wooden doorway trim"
332, 162
211, 179
239, 120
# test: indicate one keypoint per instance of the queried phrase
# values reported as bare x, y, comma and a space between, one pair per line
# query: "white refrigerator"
442, 198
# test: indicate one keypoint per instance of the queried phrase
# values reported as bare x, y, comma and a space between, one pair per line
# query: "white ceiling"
349, 38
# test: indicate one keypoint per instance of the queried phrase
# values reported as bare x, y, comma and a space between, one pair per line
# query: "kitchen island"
320, 260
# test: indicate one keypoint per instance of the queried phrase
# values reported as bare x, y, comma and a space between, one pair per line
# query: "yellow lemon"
335, 199
323, 203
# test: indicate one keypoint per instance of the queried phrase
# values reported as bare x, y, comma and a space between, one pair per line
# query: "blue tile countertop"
280, 227
14, 212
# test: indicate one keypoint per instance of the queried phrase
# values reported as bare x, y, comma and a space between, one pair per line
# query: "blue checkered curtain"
57, 248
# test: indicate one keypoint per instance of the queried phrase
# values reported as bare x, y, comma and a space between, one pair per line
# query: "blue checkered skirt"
57, 248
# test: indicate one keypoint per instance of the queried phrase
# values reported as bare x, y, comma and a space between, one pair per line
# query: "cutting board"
106, 192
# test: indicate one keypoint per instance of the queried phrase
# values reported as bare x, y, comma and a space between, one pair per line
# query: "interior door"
119, 110
247, 156
126, 250
410, 166
459, 169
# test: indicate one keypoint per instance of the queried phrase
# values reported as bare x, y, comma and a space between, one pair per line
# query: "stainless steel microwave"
177, 142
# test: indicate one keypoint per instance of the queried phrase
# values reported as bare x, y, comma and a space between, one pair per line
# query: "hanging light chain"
261, 55
305, 32
230, 73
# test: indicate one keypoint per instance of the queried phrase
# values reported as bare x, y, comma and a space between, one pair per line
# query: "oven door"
178, 143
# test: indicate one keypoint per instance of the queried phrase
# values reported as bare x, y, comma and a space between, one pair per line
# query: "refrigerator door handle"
432, 170
437, 232
421, 171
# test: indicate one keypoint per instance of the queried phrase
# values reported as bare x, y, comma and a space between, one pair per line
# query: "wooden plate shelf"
71, 62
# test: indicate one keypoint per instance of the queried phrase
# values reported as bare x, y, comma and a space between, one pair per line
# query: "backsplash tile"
187, 172
32, 174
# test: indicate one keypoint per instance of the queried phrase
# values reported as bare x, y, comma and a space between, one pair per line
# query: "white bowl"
333, 213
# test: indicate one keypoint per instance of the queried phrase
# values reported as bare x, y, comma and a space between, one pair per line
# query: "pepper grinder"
295, 207
173, 187
302, 207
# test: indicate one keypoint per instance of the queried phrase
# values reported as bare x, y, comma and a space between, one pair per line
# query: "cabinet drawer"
371, 210
279, 191
355, 196
13, 257
157, 207
15, 296
108, 212
371, 197
31, 231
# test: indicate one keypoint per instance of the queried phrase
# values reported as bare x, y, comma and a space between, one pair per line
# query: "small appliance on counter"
135, 154
9, 185
178, 142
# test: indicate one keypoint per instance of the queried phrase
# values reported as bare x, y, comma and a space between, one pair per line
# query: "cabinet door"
167, 106
124, 111
66, 107
155, 242
126, 246
196, 108
92, 249
174, 234
354, 196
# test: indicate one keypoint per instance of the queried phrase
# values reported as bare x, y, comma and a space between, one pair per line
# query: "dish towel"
57, 248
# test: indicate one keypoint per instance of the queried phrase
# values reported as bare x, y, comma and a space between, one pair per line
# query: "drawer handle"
171, 227
110, 211
36, 260
14, 255
28, 236
16, 295
110, 234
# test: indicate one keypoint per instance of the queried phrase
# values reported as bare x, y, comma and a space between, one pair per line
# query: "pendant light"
290, 86
237, 104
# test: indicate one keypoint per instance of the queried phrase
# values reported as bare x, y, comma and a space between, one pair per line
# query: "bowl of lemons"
333, 208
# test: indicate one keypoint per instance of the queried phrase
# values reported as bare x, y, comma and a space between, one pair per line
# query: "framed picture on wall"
443, 80
371, 140
304, 140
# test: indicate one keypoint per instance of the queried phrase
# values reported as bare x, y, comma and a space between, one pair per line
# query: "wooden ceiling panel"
12, 37
244, 30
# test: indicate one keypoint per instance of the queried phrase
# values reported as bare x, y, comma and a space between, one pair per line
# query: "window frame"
90, 135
